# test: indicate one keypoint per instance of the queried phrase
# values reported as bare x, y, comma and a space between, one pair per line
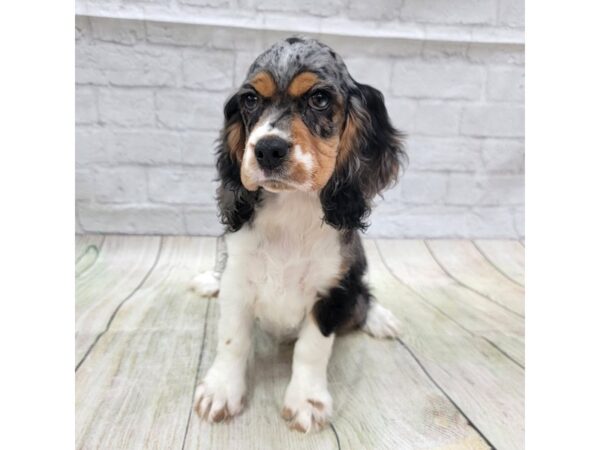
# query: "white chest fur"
289, 255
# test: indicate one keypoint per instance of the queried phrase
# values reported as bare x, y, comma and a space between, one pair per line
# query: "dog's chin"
277, 186
275, 183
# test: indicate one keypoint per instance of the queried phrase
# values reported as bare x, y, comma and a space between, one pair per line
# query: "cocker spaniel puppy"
304, 150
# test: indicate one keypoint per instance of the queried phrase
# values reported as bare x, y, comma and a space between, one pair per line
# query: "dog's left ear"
369, 158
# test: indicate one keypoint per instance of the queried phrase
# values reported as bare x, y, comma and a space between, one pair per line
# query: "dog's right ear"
236, 203
373, 155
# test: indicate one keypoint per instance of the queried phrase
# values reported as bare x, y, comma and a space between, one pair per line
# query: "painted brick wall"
152, 78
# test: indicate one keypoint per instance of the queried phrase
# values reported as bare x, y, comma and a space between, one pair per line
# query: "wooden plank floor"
455, 380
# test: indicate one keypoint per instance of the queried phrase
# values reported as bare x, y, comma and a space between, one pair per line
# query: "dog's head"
301, 122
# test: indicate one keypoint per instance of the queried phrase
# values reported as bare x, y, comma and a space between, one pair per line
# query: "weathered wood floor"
454, 381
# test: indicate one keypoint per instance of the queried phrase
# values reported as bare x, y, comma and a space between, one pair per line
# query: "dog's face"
301, 122
292, 107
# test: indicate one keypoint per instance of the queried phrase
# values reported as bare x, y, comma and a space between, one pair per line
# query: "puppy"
304, 150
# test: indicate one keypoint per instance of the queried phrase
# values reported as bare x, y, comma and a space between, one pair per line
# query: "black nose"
271, 152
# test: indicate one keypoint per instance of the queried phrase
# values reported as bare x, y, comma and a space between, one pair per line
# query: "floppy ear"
369, 158
236, 203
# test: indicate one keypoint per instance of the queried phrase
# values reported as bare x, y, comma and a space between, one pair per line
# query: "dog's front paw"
219, 397
306, 408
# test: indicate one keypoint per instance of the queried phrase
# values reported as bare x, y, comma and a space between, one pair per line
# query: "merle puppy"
304, 150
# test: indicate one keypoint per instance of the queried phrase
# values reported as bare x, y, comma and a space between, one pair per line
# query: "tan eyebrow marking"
264, 84
302, 83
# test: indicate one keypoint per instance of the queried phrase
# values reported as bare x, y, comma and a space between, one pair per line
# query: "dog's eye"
319, 100
250, 101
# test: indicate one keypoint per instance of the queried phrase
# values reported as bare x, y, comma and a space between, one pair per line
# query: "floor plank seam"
114, 313
85, 269
430, 377
337, 437
466, 286
419, 295
98, 250
503, 352
83, 253
197, 375
87, 248
498, 269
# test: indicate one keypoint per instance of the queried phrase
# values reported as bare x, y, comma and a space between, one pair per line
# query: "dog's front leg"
221, 394
307, 403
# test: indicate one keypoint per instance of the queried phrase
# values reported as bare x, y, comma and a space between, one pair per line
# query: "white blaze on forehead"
252, 175
265, 129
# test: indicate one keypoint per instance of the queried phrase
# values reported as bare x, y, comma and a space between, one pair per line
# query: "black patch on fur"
346, 305
320, 122
236, 203
372, 165
293, 40
250, 118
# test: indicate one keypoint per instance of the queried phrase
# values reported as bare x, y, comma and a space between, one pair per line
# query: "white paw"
206, 284
306, 409
381, 323
219, 397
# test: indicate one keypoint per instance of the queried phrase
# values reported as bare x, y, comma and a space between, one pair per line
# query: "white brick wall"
150, 93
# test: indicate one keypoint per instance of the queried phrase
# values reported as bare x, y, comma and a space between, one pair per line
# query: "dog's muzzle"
271, 152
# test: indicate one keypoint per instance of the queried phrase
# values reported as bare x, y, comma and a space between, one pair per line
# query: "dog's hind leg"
381, 322
206, 283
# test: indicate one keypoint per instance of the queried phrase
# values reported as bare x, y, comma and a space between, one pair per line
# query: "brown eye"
250, 101
319, 100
